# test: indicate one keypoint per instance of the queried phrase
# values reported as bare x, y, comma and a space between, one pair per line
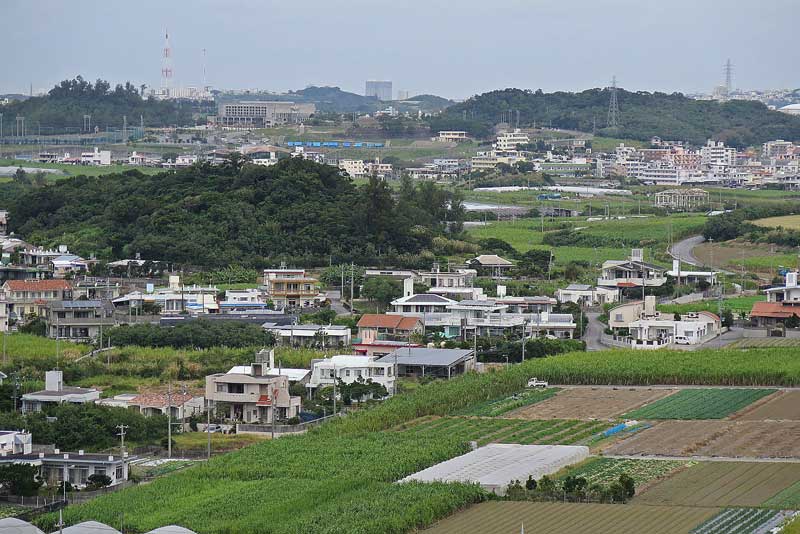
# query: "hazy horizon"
436, 47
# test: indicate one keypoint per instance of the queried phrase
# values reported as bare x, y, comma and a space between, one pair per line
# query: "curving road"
683, 250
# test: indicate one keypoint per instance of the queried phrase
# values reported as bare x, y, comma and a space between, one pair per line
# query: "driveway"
594, 330
335, 296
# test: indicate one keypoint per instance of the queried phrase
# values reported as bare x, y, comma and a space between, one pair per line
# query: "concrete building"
716, 153
375, 327
291, 288
682, 276
350, 369
81, 321
380, 89
490, 264
96, 157
641, 326
783, 302
175, 299
256, 397
262, 114
633, 272
455, 136
307, 335
511, 140
24, 298
55, 392
586, 295
74, 467
355, 168
15, 442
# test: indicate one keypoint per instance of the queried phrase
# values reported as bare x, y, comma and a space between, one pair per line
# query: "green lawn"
78, 170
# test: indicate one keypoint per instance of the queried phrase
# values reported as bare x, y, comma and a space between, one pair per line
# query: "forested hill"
641, 114
63, 108
238, 214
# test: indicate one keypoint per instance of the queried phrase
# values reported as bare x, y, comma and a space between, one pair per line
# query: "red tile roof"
379, 320
159, 400
626, 284
773, 309
38, 285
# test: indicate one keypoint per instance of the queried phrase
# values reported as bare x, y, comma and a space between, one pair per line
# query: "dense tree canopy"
235, 214
65, 105
641, 114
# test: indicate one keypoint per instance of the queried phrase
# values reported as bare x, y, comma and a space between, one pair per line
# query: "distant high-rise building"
382, 90
402, 94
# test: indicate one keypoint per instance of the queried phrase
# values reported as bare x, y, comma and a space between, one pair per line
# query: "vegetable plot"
700, 404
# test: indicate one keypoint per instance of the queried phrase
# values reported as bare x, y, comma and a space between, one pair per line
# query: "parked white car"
536, 383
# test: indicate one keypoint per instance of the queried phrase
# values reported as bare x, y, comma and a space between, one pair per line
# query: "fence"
281, 429
40, 502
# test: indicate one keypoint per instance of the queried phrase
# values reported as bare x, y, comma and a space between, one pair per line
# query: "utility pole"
169, 420
208, 428
121, 435
334, 389
352, 277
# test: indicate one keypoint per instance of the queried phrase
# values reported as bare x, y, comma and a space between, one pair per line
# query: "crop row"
736, 521
700, 404
481, 430
505, 404
787, 499
607, 470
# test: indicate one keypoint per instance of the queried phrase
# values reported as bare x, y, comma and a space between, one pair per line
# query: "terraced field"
739, 521
722, 484
608, 470
504, 517
487, 430
700, 404
496, 407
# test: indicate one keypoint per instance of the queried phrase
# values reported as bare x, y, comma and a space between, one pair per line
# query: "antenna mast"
166, 63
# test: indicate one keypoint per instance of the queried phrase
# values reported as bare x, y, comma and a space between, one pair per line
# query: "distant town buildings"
261, 113
380, 89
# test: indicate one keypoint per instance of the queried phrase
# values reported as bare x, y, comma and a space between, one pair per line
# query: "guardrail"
281, 429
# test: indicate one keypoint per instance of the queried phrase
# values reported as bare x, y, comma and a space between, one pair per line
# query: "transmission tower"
613, 107
728, 70
166, 63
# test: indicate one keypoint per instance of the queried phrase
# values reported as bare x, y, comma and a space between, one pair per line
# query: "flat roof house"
55, 392
350, 369
75, 467
440, 363
79, 320
304, 335
586, 295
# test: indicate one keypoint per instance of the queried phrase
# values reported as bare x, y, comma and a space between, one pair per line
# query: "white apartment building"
175, 298
716, 153
349, 369
510, 140
355, 168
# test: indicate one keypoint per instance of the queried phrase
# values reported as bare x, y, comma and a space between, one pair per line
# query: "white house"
634, 272
97, 157
55, 392
586, 295
75, 467
349, 369
421, 304
15, 442
309, 334
691, 277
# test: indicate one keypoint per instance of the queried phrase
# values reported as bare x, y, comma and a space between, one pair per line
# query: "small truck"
536, 383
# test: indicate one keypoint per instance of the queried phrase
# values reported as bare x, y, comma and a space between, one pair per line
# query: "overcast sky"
454, 48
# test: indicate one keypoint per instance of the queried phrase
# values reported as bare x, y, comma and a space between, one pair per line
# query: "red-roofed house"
782, 303
31, 297
181, 405
374, 327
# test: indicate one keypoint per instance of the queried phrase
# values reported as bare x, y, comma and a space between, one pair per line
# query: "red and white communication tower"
166, 63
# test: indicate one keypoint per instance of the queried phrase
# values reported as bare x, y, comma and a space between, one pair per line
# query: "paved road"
594, 330
335, 296
683, 250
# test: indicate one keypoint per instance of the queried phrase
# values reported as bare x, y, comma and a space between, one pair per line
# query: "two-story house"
79, 320
634, 272
252, 398
374, 327
26, 298
349, 369
783, 302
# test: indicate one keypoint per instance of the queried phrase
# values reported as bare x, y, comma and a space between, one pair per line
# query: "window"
120, 475
222, 388
347, 372
618, 317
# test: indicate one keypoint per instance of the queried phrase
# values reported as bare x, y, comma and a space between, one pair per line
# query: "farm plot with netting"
700, 404
505, 517
590, 403
490, 430
722, 484
740, 521
600, 470
502, 405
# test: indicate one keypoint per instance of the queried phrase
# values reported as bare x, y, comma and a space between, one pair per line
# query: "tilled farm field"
764, 439
585, 403
780, 406
722, 484
569, 518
